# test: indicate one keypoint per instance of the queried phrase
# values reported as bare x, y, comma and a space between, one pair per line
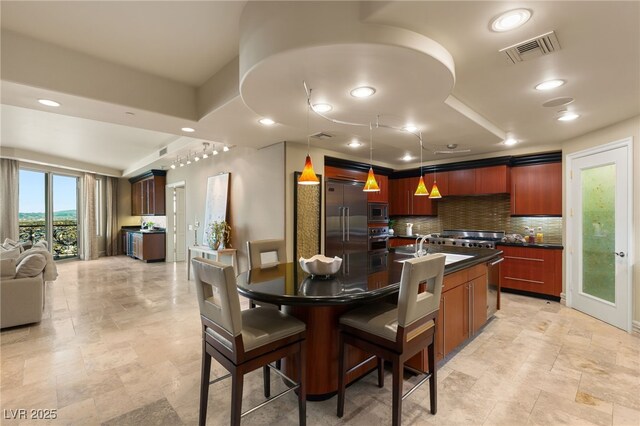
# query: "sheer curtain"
9, 202
111, 235
90, 249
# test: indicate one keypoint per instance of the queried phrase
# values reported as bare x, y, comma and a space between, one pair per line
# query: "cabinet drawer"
533, 270
455, 279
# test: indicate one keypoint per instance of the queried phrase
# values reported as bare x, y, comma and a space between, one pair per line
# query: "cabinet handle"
444, 325
524, 258
621, 254
522, 279
496, 262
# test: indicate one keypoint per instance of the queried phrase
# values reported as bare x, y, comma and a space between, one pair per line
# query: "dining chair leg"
342, 372
204, 385
396, 409
237, 382
266, 376
380, 372
302, 379
433, 381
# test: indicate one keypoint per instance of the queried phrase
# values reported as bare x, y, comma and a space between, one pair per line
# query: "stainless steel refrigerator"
345, 219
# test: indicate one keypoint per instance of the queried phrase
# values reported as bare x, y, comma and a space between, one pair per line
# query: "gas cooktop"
466, 238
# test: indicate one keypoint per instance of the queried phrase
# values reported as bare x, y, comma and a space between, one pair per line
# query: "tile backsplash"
158, 221
488, 212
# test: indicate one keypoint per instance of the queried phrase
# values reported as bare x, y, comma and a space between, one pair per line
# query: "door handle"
342, 222
347, 217
621, 254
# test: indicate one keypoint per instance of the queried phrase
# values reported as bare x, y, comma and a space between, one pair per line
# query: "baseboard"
635, 328
563, 299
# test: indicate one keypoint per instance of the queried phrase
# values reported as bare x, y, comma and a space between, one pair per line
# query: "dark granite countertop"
413, 237
543, 245
137, 230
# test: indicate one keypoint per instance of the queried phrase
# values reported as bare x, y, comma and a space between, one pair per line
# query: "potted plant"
391, 223
218, 233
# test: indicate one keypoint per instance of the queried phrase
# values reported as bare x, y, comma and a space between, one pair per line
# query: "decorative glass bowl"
320, 265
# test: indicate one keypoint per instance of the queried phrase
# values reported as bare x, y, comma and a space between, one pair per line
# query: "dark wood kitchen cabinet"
493, 180
535, 270
462, 182
144, 246
383, 195
147, 196
536, 190
441, 178
403, 202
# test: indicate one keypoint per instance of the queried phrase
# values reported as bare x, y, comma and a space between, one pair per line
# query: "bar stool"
263, 254
396, 333
243, 341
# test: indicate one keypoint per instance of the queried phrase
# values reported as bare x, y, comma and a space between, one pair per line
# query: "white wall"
256, 189
621, 130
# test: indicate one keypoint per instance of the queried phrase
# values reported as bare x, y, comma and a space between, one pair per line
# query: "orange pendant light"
421, 189
371, 185
308, 176
435, 192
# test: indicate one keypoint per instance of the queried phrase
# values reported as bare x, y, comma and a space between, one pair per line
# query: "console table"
228, 255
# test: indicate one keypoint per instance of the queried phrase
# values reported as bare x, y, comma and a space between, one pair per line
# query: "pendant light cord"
308, 108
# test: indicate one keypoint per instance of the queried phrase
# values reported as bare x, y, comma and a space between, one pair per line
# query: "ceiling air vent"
532, 48
322, 135
162, 152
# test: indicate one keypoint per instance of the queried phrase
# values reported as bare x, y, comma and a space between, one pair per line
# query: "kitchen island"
320, 303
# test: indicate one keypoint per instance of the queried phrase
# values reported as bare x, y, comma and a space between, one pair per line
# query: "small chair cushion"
7, 268
13, 253
261, 326
31, 266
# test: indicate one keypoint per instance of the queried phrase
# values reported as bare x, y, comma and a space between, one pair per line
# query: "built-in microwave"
378, 212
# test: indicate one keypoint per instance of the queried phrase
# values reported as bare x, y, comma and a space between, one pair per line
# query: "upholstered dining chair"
243, 341
263, 254
397, 332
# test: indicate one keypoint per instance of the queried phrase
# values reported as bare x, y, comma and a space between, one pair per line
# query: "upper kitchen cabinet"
147, 194
493, 180
462, 182
381, 196
536, 190
402, 202
441, 178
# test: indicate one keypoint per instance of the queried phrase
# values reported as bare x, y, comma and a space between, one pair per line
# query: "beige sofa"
22, 283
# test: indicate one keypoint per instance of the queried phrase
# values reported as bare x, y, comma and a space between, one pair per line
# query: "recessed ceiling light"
225, 148
196, 158
188, 129
510, 20
407, 157
567, 116
410, 128
266, 121
510, 141
173, 165
205, 155
549, 84
215, 152
354, 144
363, 92
322, 107
49, 102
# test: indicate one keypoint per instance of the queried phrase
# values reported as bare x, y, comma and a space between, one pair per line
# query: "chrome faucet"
418, 246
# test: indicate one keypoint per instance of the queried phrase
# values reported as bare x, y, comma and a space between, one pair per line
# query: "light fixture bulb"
354, 144
421, 190
567, 116
225, 148
322, 107
407, 157
266, 121
196, 158
205, 155
308, 176
435, 192
181, 164
49, 102
188, 129
510, 141
188, 161
510, 20
363, 92
549, 84
215, 152
173, 165
410, 128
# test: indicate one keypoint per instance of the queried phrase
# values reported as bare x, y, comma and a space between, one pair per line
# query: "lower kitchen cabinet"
400, 241
532, 269
463, 311
144, 246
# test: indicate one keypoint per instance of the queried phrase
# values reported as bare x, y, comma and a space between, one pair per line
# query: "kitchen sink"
449, 259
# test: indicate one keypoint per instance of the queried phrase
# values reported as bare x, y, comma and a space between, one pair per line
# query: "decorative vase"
216, 244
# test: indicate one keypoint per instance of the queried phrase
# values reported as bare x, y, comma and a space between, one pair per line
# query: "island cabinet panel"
462, 182
463, 312
536, 190
403, 202
381, 196
398, 241
536, 270
493, 180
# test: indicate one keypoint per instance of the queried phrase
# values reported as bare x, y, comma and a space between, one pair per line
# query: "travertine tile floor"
120, 344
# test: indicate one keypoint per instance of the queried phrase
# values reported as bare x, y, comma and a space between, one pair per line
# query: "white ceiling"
219, 66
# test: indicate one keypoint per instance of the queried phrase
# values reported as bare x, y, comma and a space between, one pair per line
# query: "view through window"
48, 211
